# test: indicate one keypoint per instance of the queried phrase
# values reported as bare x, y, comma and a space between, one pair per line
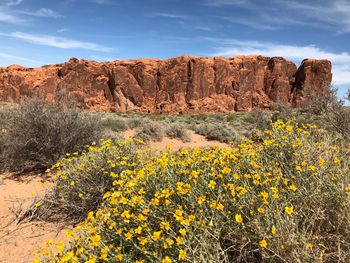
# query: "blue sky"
37, 32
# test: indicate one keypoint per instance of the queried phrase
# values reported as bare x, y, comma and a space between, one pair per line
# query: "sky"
38, 32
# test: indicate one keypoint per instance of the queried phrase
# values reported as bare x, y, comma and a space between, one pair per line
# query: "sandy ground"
18, 242
176, 144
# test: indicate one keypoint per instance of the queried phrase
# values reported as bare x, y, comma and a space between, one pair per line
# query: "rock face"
178, 85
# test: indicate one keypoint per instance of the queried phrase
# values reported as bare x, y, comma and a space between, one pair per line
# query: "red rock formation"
312, 78
177, 85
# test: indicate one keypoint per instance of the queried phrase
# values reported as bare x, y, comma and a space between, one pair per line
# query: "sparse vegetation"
150, 131
135, 122
178, 131
116, 124
216, 131
328, 111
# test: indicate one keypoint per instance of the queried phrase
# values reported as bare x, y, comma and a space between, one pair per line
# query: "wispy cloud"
58, 42
168, 15
270, 49
202, 28
233, 47
336, 12
7, 15
275, 14
9, 18
61, 30
250, 23
27, 61
219, 3
42, 12
11, 2
101, 58
103, 2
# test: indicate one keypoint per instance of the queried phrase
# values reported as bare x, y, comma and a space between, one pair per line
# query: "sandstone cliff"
178, 85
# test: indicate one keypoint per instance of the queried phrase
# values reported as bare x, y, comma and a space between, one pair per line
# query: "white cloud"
250, 23
341, 75
9, 18
11, 2
219, 3
58, 42
101, 58
102, 2
233, 47
336, 12
288, 51
11, 58
42, 12
61, 30
332, 15
202, 28
169, 15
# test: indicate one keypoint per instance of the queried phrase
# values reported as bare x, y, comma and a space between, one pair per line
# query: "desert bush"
195, 118
232, 117
81, 180
36, 134
150, 131
177, 130
261, 120
285, 199
336, 116
216, 131
320, 102
116, 124
136, 122
331, 112
157, 117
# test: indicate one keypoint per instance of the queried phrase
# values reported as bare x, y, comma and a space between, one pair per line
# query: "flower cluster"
252, 200
82, 179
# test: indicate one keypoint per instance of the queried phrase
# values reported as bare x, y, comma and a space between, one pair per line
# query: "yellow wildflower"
96, 240
156, 235
238, 218
289, 210
263, 243
273, 230
309, 246
182, 254
212, 184
182, 232
166, 260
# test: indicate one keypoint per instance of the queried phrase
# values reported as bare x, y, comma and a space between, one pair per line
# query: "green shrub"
157, 117
36, 134
115, 124
177, 131
195, 119
135, 122
283, 199
216, 131
81, 180
150, 131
